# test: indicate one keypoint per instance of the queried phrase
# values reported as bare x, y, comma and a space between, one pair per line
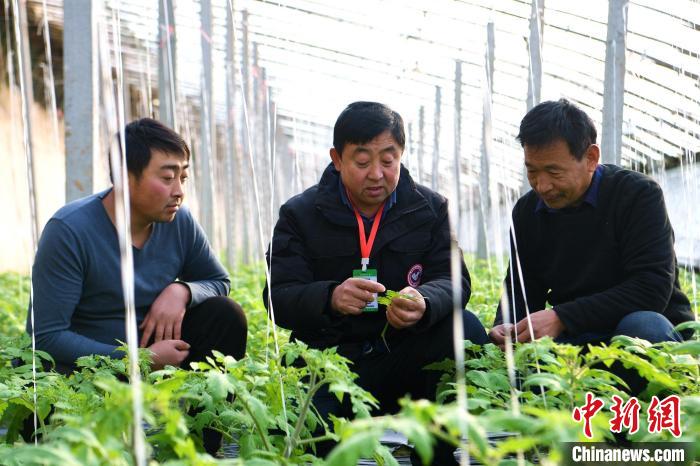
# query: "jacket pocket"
333, 258
323, 247
411, 243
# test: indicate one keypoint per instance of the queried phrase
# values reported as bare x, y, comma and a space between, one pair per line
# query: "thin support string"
29, 158
114, 121
527, 309
258, 203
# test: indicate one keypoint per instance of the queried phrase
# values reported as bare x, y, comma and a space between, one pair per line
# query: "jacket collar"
411, 208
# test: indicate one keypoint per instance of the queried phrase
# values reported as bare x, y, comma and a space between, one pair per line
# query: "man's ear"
592, 156
335, 157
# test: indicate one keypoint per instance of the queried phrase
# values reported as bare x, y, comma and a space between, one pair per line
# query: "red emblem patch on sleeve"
415, 273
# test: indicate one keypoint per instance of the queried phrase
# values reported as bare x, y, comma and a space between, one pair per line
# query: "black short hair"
143, 136
553, 120
361, 122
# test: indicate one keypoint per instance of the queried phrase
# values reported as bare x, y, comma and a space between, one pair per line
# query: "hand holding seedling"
351, 296
544, 323
404, 312
499, 332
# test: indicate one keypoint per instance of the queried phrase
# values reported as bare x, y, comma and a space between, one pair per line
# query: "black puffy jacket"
315, 247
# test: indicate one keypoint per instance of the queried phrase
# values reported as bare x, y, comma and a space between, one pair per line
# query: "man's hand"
544, 323
404, 313
164, 319
351, 296
168, 352
499, 332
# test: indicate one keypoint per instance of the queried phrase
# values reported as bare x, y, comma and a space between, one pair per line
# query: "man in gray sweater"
180, 287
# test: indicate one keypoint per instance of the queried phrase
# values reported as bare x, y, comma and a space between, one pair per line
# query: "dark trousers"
390, 373
648, 325
217, 323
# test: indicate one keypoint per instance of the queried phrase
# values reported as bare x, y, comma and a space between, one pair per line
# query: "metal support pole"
458, 148
245, 66
5, 60
486, 137
265, 162
80, 84
50, 85
614, 86
25, 53
24, 61
534, 81
279, 184
257, 78
407, 159
421, 144
231, 200
245, 136
436, 139
167, 68
208, 148
257, 119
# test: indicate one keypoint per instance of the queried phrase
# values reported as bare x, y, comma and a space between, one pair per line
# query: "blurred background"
255, 87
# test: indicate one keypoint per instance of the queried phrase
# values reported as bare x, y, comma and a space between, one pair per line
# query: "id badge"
369, 274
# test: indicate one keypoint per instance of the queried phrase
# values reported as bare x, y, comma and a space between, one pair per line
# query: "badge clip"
365, 263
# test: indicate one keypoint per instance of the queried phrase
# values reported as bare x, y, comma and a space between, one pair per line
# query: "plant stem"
293, 440
322, 438
258, 427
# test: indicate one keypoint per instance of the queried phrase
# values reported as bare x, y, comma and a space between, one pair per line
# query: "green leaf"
348, 451
515, 444
687, 347
218, 385
692, 324
552, 381
383, 457
491, 380
474, 403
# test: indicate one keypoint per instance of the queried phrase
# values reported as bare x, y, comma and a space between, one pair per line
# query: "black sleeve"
299, 303
437, 278
647, 263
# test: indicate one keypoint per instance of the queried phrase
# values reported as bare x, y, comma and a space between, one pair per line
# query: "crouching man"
594, 241
180, 287
365, 228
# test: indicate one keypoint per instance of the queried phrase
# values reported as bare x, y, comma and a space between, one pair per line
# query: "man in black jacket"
594, 242
365, 228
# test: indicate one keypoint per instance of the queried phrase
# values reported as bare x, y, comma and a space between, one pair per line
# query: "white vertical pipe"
614, 85
486, 149
49, 66
208, 146
534, 81
80, 84
421, 145
436, 139
231, 150
458, 149
24, 69
167, 65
